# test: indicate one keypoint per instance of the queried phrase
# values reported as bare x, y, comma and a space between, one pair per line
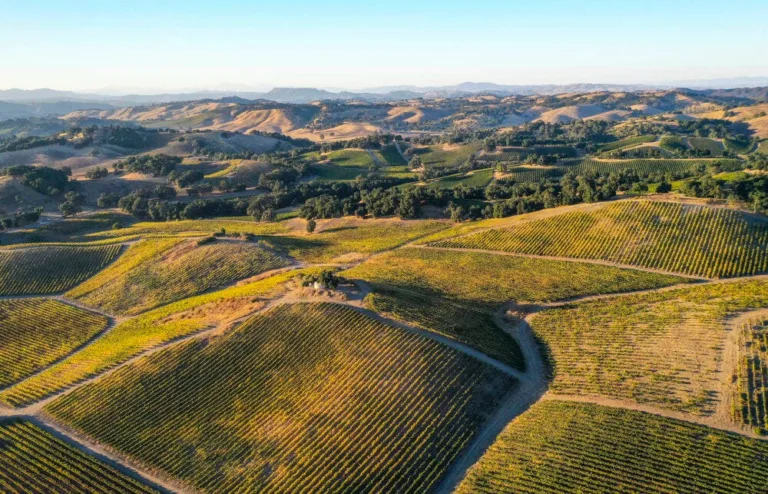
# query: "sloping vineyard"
36, 332
533, 174
463, 322
661, 348
306, 397
682, 238
559, 447
32, 460
489, 280
44, 270
144, 332
750, 400
187, 269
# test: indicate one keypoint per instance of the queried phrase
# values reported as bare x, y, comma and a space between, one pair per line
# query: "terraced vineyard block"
306, 397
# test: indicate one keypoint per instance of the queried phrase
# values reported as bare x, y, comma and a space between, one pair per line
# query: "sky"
164, 45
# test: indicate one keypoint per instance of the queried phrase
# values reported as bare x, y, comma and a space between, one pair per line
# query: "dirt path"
713, 421
400, 150
532, 386
376, 160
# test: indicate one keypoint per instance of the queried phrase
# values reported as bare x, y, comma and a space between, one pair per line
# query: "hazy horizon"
172, 46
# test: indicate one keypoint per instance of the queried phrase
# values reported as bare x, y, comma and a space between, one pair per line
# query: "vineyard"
32, 460
44, 270
489, 280
476, 178
661, 348
682, 238
532, 174
348, 239
185, 269
200, 227
673, 144
309, 397
37, 332
710, 146
750, 400
569, 447
515, 154
447, 157
647, 165
628, 142
390, 155
463, 322
147, 331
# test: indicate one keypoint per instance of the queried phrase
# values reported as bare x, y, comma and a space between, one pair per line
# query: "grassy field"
662, 348
36, 332
763, 147
439, 156
559, 447
337, 173
750, 392
45, 270
683, 238
183, 270
347, 239
153, 328
32, 460
389, 155
354, 158
327, 390
476, 178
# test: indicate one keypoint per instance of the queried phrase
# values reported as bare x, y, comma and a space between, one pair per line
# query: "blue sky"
172, 45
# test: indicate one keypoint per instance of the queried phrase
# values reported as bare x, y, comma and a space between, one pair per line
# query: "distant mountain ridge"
19, 103
385, 93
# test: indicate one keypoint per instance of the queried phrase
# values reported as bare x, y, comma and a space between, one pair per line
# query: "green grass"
389, 155
337, 173
33, 460
476, 178
183, 270
558, 447
354, 158
763, 147
51, 269
438, 157
289, 400
681, 238
36, 332
661, 348
625, 143
147, 331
